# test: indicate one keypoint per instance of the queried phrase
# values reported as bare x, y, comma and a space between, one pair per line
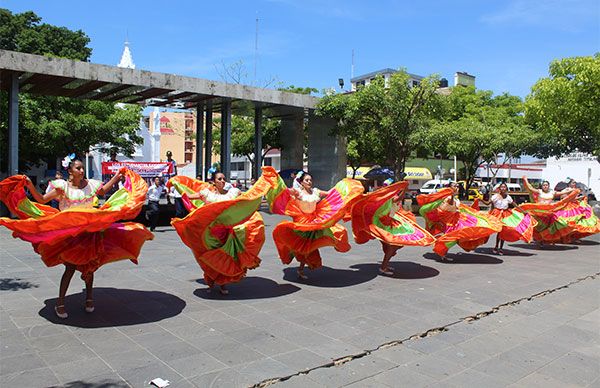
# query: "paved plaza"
528, 318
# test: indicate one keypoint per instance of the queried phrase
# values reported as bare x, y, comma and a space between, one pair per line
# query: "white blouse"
546, 197
308, 202
76, 197
211, 196
500, 202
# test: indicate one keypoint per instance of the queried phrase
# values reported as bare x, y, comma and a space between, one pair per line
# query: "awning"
417, 173
359, 173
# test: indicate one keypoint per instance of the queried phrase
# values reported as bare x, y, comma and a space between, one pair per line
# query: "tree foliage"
51, 127
565, 107
382, 122
478, 127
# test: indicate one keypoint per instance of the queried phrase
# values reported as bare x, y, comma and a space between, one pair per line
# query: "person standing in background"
173, 162
154, 193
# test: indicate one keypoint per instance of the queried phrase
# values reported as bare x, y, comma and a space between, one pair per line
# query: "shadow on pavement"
102, 384
15, 284
465, 258
402, 270
331, 277
545, 247
115, 307
506, 252
586, 242
252, 287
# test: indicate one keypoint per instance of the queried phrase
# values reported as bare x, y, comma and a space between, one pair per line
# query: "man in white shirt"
154, 193
180, 210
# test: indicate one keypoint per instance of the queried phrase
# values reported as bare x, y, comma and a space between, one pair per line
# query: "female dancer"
82, 238
315, 214
380, 215
454, 223
516, 225
223, 229
580, 215
553, 224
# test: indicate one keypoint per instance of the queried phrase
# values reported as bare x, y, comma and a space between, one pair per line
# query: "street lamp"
341, 82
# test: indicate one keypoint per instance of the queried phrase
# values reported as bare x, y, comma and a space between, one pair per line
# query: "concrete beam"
292, 142
327, 156
258, 119
61, 67
199, 139
226, 139
208, 143
13, 125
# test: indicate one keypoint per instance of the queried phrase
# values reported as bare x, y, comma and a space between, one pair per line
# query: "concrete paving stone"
264, 369
226, 378
437, 367
42, 377
503, 370
234, 354
567, 371
196, 364
301, 359
141, 377
13, 343
271, 345
66, 353
105, 380
537, 380
173, 350
20, 363
129, 360
426, 345
337, 330
461, 357
403, 376
154, 339
80, 370
301, 381
472, 378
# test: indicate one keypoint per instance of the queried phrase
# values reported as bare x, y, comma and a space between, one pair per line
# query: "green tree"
565, 107
51, 127
478, 127
385, 119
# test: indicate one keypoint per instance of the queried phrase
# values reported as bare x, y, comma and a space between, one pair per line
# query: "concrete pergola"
41, 75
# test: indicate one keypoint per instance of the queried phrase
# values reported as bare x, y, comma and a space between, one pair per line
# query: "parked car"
433, 186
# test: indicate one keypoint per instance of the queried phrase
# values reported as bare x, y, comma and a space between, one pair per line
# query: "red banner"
143, 169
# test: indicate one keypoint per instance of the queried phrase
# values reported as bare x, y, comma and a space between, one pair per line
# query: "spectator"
113, 156
180, 210
173, 162
153, 211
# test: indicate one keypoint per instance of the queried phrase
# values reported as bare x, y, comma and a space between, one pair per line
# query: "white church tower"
149, 150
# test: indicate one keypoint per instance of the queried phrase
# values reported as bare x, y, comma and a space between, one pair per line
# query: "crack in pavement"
428, 333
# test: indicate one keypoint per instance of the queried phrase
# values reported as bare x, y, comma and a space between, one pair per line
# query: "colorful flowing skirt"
225, 237
555, 221
86, 238
308, 232
371, 219
466, 227
515, 225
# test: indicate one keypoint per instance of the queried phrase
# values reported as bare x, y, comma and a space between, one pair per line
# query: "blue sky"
507, 45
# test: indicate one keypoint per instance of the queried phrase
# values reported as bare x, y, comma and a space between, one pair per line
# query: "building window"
415, 181
238, 166
268, 161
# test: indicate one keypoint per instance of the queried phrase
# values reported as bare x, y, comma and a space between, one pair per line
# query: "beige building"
177, 134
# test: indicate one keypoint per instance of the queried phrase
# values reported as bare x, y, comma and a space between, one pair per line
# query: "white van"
514, 187
433, 186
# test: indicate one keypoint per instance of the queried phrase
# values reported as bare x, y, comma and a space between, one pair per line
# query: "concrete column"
326, 154
226, 138
256, 172
208, 138
199, 138
292, 142
13, 126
